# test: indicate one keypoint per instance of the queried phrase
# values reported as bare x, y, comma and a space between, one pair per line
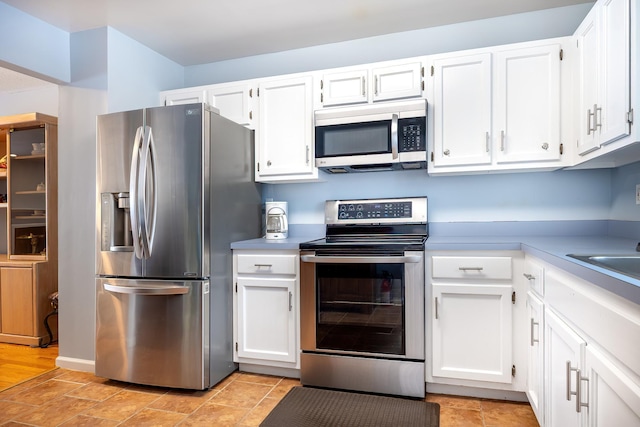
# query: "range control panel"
397, 210
374, 210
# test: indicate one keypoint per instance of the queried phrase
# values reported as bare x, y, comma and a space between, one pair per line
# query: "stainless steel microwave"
372, 137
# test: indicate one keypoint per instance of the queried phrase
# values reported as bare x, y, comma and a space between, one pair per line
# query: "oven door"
364, 305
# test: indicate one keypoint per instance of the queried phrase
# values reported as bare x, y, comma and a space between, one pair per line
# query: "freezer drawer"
153, 332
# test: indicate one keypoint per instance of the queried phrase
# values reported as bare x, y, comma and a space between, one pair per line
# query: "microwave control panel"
411, 134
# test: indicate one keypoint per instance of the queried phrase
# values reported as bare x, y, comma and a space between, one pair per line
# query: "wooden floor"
19, 363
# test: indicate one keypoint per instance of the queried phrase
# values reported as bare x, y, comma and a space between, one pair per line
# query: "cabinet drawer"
267, 264
460, 267
534, 274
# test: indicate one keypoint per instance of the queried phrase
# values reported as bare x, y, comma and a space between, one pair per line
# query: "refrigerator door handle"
147, 290
133, 191
147, 200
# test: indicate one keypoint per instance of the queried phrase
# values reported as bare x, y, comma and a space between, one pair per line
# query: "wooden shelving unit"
29, 243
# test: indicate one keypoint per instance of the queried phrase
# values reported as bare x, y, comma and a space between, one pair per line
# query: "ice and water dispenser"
115, 228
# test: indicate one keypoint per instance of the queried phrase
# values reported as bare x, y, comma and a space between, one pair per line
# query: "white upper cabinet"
234, 102
461, 101
527, 104
497, 109
284, 136
342, 88
376, 82
398, 81
603, 43
184, 96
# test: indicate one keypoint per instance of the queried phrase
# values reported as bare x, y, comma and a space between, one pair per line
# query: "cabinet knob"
268, 162
545, 146
446, 152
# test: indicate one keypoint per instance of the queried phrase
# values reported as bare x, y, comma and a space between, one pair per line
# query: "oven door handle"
361, 259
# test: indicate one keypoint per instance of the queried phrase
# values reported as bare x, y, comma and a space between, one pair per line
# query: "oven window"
360, 308
353, 139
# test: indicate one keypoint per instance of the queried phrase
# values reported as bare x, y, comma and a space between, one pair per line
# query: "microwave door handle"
394, 136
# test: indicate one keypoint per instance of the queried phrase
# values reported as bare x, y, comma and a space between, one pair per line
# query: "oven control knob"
359, 215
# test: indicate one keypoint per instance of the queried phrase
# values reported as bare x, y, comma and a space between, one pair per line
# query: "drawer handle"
263, 265
290, 301
471, 268
529, 276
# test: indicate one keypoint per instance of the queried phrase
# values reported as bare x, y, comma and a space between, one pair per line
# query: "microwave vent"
412, 165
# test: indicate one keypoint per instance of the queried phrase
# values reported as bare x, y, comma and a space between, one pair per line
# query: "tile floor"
69, 398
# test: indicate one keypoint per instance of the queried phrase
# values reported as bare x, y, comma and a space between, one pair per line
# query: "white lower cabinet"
564, 354
590, 376
472, 332
613, 398
266, 320
535, 359
472, 315
266, 308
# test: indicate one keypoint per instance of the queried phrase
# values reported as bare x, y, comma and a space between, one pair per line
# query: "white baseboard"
269, 370
72, 363
484, 393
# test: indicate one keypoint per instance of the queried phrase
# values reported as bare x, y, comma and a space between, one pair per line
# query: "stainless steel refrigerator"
174, 188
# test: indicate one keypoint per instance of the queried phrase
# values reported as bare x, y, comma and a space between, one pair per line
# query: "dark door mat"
315, 407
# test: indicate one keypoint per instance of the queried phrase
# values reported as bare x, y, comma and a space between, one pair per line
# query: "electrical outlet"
637, 194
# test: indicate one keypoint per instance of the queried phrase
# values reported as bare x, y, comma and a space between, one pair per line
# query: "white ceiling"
203, 31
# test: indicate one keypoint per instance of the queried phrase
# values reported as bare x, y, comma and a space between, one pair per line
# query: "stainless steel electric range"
362, 298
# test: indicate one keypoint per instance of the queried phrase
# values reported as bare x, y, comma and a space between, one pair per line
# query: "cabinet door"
613, 398
535, 359
348, 87
563, 360
604, 42
17, 301
462, 110
188, 96
472, 332
614, 60
27, 186
527, 104
234, 102
587, 35
266, 319
285, 133
399, 81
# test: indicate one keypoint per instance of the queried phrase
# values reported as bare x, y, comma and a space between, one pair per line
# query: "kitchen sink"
625, 264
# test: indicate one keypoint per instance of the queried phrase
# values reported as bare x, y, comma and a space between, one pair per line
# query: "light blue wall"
487, 32
43, 100
623, 188
137, 74
80, 102
538, 196
32, 46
